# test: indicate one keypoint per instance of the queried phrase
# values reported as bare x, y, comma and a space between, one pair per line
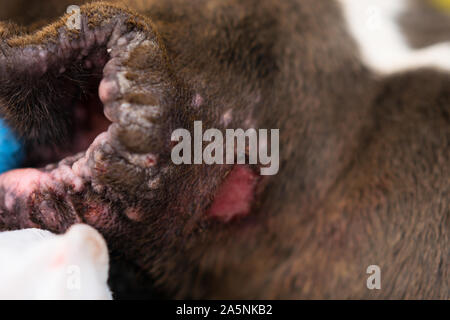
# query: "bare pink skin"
106, 89
235, 195
22, 182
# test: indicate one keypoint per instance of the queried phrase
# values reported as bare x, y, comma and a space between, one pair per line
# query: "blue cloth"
11, 149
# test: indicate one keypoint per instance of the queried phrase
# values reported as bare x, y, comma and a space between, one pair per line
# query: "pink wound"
235, 195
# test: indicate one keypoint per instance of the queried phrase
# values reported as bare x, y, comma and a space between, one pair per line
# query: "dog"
360, 96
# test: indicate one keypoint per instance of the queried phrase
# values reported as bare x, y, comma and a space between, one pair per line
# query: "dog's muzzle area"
90, 124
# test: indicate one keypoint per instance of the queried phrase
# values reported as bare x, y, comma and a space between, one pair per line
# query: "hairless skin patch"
235, 196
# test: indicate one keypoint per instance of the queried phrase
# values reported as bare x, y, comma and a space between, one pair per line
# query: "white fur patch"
36, 264
383, 47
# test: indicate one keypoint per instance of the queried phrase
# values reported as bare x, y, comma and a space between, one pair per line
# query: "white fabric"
36, 264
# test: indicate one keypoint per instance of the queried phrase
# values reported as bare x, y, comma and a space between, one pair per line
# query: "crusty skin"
364, 162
